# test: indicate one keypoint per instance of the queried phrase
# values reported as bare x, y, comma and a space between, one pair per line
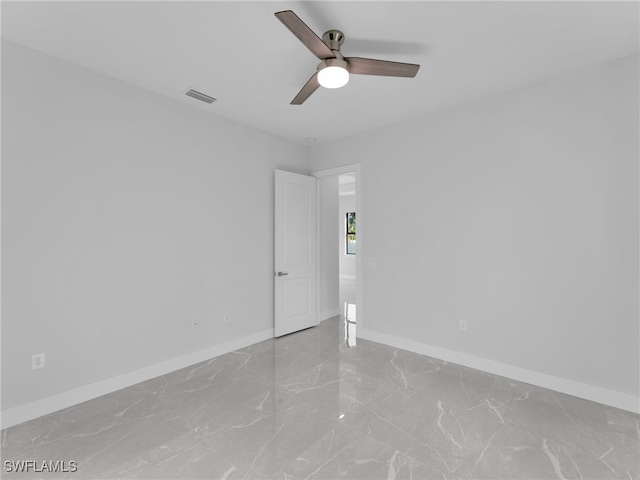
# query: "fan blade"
369, 66
305, 34
309, 87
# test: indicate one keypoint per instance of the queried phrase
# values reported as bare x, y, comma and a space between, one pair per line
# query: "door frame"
354, 168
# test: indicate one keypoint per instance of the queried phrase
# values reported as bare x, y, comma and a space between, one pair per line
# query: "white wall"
126, 217
125, 220
328, 286
347, 203
517, 213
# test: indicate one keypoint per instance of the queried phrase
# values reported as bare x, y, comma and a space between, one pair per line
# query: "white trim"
44, 406
327, 314
329, 172
344, 276
318, 243
594, 393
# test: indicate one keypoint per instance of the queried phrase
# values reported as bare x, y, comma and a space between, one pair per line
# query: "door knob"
282, 274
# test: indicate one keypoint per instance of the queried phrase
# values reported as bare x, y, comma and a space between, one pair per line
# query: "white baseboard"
44, 406
594, 393
327, 314
344, 276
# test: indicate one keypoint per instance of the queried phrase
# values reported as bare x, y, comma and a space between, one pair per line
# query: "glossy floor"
308, 406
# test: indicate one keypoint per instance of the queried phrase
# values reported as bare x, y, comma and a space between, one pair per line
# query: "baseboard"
344, 276
602, 395
44, 406
327, 314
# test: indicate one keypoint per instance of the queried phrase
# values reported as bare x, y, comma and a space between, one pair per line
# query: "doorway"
347, 246
340, 246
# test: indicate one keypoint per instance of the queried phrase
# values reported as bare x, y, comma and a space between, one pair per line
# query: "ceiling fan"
334, 69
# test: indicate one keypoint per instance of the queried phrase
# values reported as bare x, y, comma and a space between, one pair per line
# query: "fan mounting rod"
333, 39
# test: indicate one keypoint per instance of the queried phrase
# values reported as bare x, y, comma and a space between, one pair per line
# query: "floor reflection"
350, 324
348, 301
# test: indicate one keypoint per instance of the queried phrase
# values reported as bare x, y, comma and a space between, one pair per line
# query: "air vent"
200, 96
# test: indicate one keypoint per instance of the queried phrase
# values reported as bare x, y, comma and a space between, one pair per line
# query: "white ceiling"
346, 178
241, 54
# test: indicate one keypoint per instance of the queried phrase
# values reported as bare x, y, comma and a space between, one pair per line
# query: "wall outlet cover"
37, 361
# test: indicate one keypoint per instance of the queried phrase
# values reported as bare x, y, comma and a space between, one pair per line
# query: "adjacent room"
320, 240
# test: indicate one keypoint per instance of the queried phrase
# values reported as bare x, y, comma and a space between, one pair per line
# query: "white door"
295, 253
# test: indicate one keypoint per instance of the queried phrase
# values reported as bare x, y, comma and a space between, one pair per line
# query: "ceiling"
239, 53
346, 184
346, 178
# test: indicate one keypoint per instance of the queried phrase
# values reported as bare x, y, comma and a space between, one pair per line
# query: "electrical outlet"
226, 316
372, 262
463, 325
37, 361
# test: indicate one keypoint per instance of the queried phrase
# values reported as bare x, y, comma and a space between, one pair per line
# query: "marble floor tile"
308, 406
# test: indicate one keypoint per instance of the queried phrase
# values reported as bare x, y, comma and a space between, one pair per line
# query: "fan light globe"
333, 74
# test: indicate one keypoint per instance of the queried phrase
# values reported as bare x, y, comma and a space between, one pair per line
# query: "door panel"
295, 252
296, 297
296, 235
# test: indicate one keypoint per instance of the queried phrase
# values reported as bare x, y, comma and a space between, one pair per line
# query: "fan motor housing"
333, 62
